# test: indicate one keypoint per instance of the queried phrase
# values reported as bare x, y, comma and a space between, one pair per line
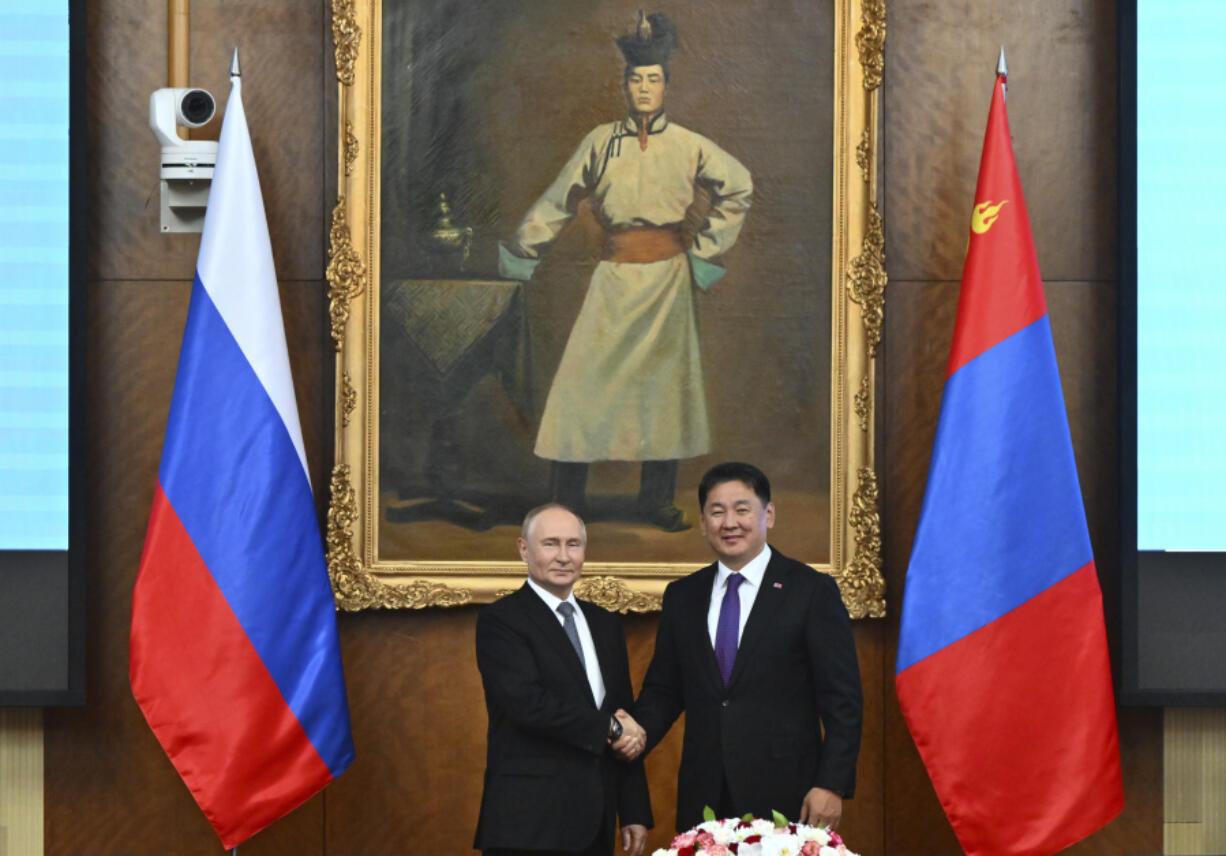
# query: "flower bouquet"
749, 836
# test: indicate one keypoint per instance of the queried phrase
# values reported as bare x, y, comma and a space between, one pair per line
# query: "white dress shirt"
753, 574
594, 678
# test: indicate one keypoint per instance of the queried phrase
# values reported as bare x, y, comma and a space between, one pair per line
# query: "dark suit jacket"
550, 777
795, 673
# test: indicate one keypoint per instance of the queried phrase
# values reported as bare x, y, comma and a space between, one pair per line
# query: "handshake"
626, 737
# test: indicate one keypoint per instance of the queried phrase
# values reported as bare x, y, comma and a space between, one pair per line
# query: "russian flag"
1003, 672
234, 657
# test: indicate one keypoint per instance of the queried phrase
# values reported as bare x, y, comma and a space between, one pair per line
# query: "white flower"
784, 844
763, 827
744, 830
813, 833
773, 841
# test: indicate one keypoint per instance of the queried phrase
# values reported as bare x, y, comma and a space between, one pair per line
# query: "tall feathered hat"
652, 41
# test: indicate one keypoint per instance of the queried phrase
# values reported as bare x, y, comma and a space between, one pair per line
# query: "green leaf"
780, 820
708, 813
747, 817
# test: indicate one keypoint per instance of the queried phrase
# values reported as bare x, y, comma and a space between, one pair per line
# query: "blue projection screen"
1181, 268
42, 615
34, 104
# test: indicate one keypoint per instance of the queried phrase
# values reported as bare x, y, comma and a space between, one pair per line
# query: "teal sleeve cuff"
705, 273
514, 267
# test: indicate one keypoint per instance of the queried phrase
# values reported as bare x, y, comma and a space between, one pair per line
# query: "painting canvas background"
484, 101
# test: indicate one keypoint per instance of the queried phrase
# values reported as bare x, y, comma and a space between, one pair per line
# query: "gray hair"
531, 516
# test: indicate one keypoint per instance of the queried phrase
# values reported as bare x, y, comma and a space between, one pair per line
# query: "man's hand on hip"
821, 807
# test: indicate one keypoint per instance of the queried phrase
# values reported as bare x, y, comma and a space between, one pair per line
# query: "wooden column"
178, 48
1194, 781
21, 781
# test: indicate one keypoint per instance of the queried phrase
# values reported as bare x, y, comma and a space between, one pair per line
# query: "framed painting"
581, 253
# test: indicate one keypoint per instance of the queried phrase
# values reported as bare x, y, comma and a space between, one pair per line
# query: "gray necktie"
572, 632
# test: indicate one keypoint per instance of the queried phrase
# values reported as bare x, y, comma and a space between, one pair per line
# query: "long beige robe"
629, 386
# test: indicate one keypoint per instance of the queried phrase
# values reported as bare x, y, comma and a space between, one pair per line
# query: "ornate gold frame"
858, 282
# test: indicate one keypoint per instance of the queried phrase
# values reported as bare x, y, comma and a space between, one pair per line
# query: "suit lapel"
695, 625
762, 616
556, 637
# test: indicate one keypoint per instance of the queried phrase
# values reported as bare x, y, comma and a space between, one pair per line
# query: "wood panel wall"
417, 709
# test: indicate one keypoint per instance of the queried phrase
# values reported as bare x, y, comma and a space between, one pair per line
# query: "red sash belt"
643, 245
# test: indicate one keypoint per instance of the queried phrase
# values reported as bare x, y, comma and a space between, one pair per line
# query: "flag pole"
235, 75
1002, 70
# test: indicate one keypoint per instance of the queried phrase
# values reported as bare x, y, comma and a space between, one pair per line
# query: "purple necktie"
729, 627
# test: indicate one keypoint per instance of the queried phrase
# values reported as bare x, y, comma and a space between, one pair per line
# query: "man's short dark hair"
734, 471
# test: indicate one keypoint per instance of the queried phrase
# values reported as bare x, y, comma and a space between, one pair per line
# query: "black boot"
568, 485
657, 491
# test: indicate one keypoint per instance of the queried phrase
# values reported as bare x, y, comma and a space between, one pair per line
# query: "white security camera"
186, 165
170, 107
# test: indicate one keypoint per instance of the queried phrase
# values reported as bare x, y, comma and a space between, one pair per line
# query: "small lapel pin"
778, 585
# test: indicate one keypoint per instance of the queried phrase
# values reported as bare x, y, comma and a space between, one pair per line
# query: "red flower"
685, 839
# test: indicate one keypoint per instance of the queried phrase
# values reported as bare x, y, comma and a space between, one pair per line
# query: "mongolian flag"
234, 657
1003, 674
